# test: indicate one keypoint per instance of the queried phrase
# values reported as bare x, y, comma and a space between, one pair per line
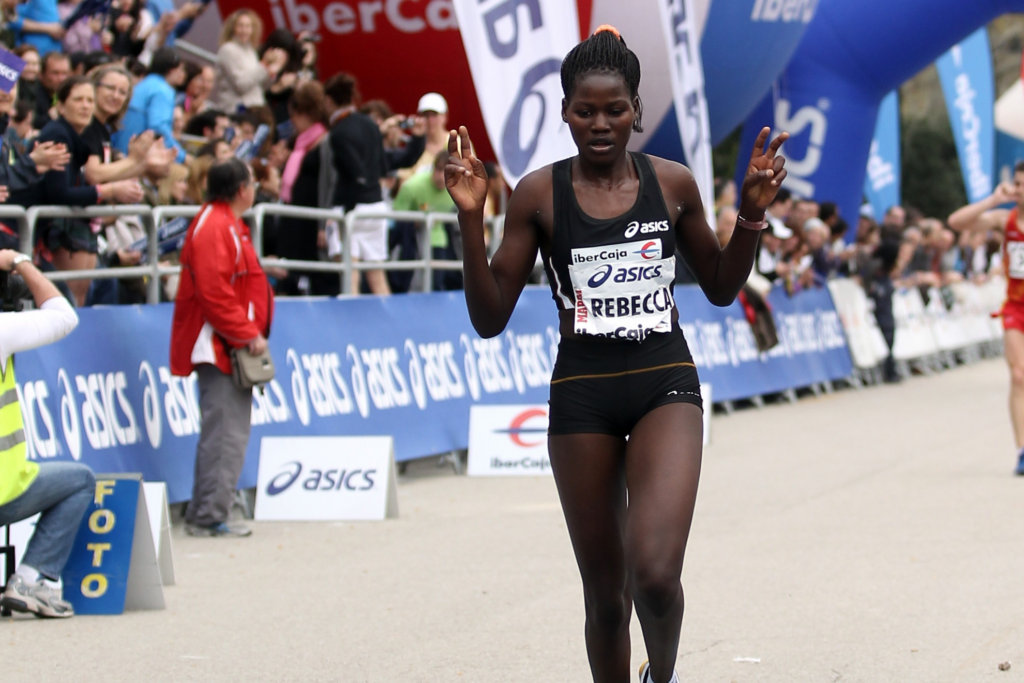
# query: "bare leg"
356, 278
662, 470
378, 282
1014, 344
78, 260
591, 478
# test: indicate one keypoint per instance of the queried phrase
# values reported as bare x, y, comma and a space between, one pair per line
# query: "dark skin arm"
492, 290
720, 272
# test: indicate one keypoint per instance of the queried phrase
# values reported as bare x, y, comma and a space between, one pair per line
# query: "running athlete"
606, 223
986, 215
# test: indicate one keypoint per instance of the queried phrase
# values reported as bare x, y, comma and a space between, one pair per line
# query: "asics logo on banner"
787, 11
624, 274
282, 481
645, 228
8, 74
812, 119
321, 480
971, 128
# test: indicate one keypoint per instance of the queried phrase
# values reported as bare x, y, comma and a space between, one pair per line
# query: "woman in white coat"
241, 76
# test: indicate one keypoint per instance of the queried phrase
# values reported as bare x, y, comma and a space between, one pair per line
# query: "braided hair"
605, 52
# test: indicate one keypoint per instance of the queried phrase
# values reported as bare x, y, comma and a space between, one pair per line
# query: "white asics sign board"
508, 441
515, 50
326, 478
687, 78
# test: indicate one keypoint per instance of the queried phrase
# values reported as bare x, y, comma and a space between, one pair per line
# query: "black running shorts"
605, 387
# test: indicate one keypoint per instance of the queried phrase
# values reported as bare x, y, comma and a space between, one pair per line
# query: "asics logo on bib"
617, 252
645, 228
624, 274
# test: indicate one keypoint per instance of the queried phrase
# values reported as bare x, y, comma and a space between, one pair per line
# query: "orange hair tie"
610, 29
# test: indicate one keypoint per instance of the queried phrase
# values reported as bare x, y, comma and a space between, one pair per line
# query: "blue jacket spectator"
40, 12
152, 105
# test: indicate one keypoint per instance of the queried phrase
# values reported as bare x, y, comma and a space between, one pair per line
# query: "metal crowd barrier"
153, 218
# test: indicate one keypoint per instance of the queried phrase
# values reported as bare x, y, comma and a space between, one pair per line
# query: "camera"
407, 124
13, 293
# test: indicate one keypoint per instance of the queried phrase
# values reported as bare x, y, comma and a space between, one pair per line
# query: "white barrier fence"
928, 336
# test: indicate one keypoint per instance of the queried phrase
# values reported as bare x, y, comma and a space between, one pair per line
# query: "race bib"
628, 298
1015, 257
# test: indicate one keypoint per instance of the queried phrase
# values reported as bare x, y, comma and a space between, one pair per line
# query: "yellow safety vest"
16, 472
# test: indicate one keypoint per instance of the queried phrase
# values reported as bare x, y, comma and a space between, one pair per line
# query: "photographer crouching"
61, 491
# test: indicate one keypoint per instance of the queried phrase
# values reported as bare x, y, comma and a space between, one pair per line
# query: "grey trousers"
220, 453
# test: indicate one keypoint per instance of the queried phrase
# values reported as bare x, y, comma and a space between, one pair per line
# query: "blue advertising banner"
969, 88
812, 346
96, 575
403, 366
882, 184
827, 98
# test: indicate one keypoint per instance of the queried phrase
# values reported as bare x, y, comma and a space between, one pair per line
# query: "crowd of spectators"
107, 112
806, 244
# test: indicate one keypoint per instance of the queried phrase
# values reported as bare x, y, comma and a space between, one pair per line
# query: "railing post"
428, 253
258, 212
150, 220
26, 230
345, 225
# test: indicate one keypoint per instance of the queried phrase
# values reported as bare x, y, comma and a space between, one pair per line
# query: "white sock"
29, 573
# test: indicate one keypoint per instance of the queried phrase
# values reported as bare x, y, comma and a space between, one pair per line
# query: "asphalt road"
871, 535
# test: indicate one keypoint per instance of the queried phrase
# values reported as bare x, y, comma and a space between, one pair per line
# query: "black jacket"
359, 160
44, 100
406, 156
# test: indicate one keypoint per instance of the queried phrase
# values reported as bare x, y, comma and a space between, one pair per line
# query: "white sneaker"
38, 598
645, 674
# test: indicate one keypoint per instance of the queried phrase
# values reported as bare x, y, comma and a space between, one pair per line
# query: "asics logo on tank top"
645, 228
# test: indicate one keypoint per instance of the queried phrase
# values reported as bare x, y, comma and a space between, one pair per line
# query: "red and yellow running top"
1013, 260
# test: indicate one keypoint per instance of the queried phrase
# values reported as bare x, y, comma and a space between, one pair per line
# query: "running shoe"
645, 674
38, 599
1020, 464
236, 530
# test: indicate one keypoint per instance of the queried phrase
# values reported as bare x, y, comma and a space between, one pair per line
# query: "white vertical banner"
687, 77
515, 50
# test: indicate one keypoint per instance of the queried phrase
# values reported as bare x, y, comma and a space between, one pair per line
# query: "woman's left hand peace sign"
764, 174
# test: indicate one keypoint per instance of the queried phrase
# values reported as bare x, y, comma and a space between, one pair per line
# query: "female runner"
606, 222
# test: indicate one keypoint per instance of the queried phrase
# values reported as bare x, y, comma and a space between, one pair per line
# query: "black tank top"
617, 274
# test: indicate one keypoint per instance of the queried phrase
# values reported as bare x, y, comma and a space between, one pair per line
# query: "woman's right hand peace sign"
465, 175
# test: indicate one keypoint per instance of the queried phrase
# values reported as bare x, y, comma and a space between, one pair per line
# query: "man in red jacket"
224, 302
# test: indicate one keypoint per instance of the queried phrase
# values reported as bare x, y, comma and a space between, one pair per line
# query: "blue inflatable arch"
853, 53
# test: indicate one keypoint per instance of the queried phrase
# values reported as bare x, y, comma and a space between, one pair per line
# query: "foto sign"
508, 441
326, 478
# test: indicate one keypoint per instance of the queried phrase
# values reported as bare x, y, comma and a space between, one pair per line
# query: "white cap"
812, 223
432, 101
867, 211
779, 228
